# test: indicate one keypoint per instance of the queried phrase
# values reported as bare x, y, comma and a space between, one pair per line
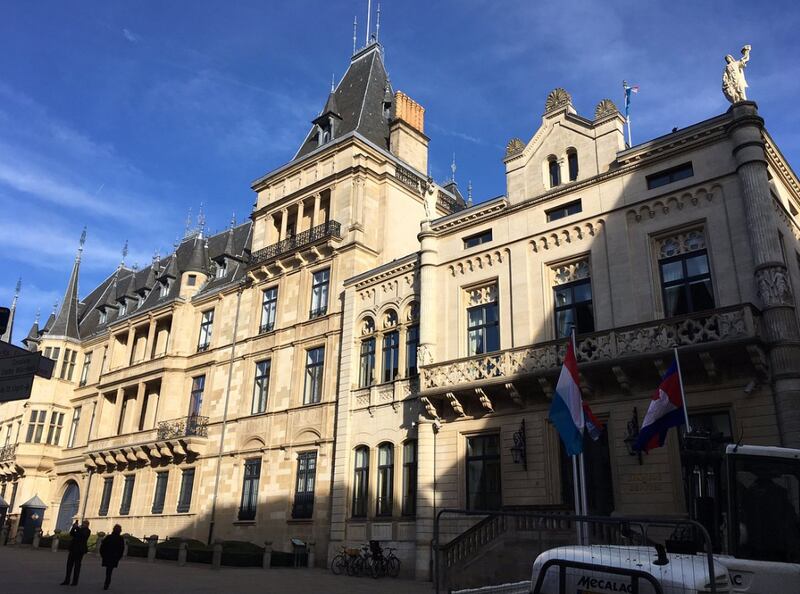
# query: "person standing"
77, 549
111, 551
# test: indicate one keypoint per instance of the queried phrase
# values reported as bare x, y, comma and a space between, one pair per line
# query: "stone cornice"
464, 218
404, 265
779, 164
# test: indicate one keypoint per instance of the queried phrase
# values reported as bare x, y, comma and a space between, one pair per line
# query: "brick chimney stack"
407, 138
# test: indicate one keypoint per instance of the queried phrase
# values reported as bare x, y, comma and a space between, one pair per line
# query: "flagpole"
627, 103
581, 469
683, 392
575, 493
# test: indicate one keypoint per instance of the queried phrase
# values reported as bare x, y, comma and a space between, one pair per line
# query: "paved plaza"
23, 570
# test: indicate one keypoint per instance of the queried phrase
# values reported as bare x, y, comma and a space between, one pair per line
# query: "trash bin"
300, 550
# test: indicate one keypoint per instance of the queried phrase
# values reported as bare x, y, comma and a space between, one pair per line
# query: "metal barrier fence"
500, 548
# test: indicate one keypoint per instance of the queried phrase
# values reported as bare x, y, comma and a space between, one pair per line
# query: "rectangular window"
163, 288
410, 478
662, 178
54, 431
127, 495
192, 280
185, 495
36, 426
103, 316
269, 308
360, 482
160, 494
73, 427
306, 477
65, 364
315, 362
391, 355
252, 473
87, 364
483, 472
412, 343
686, 283
319, 293
196, 395
367, 365
261, 387
48, 351
564, 210
221, 268
483, 329
55, 354
206, 326
573, 308
478, 239
383, 503
105, 498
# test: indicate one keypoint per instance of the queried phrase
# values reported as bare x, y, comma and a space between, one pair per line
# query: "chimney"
407, 138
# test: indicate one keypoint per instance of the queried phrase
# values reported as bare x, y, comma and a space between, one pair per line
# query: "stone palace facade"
369, 348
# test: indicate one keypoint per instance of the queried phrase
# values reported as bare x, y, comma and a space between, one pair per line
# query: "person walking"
111, 551
78, 547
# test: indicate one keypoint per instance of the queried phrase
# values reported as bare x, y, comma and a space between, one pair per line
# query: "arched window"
385, 479
360, 482
572, 162
554, 170
367, 366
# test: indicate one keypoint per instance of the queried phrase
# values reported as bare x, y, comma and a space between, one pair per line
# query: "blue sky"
123, 115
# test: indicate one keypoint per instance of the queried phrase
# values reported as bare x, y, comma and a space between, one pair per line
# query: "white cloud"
130, 35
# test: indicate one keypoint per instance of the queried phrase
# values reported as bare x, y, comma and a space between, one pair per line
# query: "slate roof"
66, 321
359, 101
141, 289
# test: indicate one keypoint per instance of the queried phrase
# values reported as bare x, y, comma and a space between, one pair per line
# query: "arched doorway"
68, 509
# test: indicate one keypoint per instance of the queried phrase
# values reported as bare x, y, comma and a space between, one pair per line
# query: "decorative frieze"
665, 205
477, 262
571, 272
774, 288
481, 295
681, 243
566, 235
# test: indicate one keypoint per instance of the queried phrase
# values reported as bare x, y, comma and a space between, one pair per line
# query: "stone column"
778, 318
150, 347
426, 503
117, 411
299, 223
129, 346
284, 223
138, 409
427, 283
315, 219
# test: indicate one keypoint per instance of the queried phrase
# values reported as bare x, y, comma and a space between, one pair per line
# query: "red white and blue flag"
594, 427
665, 411
566, 411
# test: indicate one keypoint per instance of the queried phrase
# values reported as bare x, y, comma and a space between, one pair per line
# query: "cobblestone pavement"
25, 571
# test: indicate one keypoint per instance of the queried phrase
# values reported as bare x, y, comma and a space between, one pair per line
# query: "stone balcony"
387, 393
18, 458
304, 246
627, 356
175, 439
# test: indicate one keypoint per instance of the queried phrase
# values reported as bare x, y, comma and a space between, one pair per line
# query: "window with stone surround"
269, 308
684, 273
160, 493
410, 478
127, 494
383, 503
105, 498
306, 478
483, 472
87, 363
360, 482
187, 486
367, 362
554, 171
572, 293
261, 387
36, 426
320, 284
572, 163
315, 365
252, 475
206, 327
73, 427
483, 322
54, 431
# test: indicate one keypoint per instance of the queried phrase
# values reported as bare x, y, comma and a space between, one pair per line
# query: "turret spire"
9, 333
65, 324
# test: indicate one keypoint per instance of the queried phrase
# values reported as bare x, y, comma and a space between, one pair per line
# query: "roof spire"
38, 314
355, 33
81, 243
453, 168
233, 219
469, 193
378, 23
9, 333
333, 82
201, 221
188, 224
369, 14
124, 254
65, 324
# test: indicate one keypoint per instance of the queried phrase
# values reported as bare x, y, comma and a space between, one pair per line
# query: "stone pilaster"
778, 319
427, 289
426, 497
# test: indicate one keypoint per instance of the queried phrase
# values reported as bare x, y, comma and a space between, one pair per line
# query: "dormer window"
554, 171
164, 289
221, 269
103, 316
123, 307
572, 164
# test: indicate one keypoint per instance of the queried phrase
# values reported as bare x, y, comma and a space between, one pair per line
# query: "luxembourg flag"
666, 410
566, 411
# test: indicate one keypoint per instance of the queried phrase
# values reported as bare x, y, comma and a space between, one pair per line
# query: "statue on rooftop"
733, 81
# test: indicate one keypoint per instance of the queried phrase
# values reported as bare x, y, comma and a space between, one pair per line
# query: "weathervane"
453, 167
124, 254
469, 193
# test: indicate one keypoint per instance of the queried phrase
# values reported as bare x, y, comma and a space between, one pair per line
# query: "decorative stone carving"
482, 295
568, 273
424, 355
412, 311
773, 287
514, 147
429, 408
390, 319
478, 262
733, 81
566, 235
483, 398
557, 98
681, 243
367, 326
606, 107
455, 404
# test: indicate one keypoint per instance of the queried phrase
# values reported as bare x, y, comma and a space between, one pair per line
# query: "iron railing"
7, 452
193, 425
302, 239
303, 507
410, 179
451, 205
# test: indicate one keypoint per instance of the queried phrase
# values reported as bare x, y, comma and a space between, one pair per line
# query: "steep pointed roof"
9, 333
66, 321
33, 334
358, 100
198, 260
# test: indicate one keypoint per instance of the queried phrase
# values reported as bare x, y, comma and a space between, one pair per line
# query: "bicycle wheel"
355, 567
378, 568
393, 567
338, 564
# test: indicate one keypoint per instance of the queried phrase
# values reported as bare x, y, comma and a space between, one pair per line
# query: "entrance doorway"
68, 509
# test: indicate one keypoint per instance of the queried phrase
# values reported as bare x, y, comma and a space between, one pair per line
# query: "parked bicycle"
370, 559
382, 563
346, 561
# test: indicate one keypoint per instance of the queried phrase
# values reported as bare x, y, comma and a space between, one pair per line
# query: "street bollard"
54, 543
100, 537
266, 562
37, 537
3, 536
183, 549
311, 554
216, 557
151, 548
18, 537
125, 549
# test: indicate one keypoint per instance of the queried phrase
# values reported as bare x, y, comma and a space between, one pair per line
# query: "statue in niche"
733, 81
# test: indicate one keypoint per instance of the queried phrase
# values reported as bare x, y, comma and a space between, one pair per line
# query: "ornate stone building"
368, 350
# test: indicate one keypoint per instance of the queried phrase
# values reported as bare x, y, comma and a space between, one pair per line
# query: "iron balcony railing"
192, 425
7, 452
302, 239
303, 507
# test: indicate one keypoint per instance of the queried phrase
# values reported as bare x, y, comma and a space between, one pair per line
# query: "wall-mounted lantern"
631, 434
518, 451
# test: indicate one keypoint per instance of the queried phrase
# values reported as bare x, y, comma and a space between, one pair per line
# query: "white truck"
761, 552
